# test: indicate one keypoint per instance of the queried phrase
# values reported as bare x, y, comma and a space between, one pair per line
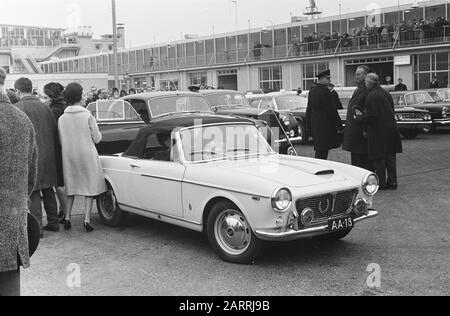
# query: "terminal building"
24, 48
411, 42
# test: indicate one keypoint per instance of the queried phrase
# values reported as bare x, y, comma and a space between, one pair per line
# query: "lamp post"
236, 13
115, 53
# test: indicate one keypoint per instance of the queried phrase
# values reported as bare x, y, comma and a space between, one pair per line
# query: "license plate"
336, 225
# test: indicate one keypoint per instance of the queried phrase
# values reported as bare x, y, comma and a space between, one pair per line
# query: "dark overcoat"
383, 136
18, 167
46, 130
58, 106
354, 140
323, 120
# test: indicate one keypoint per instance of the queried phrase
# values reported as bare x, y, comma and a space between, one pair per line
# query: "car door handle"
135, 166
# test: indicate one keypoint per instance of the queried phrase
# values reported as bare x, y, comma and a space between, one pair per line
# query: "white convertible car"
217, 174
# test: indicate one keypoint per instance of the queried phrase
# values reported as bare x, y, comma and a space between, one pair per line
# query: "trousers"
10, 283
50, 206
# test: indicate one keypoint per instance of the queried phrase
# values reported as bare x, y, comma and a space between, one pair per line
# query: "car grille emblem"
325, 209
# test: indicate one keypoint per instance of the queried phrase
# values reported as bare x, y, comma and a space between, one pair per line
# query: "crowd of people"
371, 133
413, 30
49, 154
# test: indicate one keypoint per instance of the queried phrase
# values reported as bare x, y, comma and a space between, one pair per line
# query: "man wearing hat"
323, 120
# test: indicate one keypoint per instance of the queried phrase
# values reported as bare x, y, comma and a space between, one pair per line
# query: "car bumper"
413, 125
442, 122
273, 235
292, 140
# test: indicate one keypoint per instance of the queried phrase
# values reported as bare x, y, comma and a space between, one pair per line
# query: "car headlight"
371, 184
292, 133
444, 112
286, 121
427, 117
399, 117
281, 200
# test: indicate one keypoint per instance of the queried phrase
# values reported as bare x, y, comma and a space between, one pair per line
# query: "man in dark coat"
383, 136
354, 140
323, 119
44, 123
18, 166
335, 96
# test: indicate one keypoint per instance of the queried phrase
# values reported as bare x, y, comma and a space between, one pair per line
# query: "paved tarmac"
409, 242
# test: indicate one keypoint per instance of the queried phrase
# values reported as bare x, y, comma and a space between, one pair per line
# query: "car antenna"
173, 81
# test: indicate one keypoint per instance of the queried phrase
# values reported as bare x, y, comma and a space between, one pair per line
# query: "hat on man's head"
325, 73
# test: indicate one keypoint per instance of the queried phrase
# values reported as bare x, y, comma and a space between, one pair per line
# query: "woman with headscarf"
83, 173
58, 104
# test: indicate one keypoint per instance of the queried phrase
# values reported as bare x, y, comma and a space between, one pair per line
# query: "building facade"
412, 43
22, 48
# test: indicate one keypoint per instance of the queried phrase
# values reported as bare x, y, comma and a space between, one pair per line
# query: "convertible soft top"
167, 126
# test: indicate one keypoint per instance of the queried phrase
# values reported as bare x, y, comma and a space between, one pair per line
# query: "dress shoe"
49, 228
88, 227
67, 225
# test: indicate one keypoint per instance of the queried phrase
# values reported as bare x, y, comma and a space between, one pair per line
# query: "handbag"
34, 236
34, 233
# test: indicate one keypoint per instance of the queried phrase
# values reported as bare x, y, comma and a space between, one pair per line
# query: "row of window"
428, 66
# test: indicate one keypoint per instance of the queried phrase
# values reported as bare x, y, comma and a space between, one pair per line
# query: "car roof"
208, 92
168, 125
152, 95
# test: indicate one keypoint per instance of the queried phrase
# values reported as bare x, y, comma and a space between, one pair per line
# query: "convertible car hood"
295, 174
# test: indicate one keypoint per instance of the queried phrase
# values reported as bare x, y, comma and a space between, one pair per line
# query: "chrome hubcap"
232, 232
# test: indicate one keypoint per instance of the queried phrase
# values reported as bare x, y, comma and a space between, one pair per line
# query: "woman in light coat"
83, 174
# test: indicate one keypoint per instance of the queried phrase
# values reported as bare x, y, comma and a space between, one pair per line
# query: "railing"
334, 46
29, 41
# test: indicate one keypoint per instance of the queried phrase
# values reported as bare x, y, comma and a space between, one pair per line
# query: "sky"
148, 21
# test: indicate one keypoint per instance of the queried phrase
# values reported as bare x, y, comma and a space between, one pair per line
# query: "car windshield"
444, 94
227, 100
223, 142
419, 98
291, 103
113, 110
178, 104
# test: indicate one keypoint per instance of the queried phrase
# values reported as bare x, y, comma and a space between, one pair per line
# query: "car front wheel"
410, 133
109, 210
230, 234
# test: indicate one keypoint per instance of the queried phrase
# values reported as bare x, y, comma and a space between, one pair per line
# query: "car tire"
432, 129
410, 133
109, 210
242, 246
303, 133
335, 236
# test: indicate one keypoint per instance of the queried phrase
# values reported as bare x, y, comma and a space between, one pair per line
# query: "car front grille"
328, 205
412, 116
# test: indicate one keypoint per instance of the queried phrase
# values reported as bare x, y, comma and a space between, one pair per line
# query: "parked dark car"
287, 104
161, 104
411, 122
438, 107
119, 124
229, 102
